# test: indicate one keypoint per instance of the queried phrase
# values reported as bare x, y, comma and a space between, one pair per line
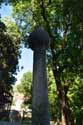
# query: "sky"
26, 61
26, 56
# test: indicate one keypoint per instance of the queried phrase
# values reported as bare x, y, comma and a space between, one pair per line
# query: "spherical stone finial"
39, 38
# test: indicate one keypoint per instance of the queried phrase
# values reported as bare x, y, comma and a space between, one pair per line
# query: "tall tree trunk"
64, 113
61, 95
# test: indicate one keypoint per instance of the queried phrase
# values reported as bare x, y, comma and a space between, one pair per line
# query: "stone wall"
10, 123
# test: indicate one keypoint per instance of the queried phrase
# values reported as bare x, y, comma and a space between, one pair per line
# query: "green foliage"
62, 19
75, 95
9, 54
25, 87
57, 17
8, 47
53, 98
12, 28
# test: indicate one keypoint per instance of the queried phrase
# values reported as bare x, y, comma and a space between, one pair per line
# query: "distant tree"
53, 97
25, 87
75, 95
63, 21
12, 28
9, 55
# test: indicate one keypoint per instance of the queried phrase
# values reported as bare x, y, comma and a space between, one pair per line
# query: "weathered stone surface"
9, 123
39, 42
14, 123
39, 38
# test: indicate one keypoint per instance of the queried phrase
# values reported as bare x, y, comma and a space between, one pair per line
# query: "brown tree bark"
61, 93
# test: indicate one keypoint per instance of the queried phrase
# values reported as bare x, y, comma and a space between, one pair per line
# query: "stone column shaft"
40, 87
39, 42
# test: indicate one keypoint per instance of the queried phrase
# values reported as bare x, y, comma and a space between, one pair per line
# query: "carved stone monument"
39, 42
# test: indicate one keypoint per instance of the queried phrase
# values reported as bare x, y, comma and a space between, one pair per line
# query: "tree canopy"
63, 22
62, 19
9, 55
25, 87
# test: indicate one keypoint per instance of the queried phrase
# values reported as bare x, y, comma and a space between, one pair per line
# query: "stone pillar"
39, 41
